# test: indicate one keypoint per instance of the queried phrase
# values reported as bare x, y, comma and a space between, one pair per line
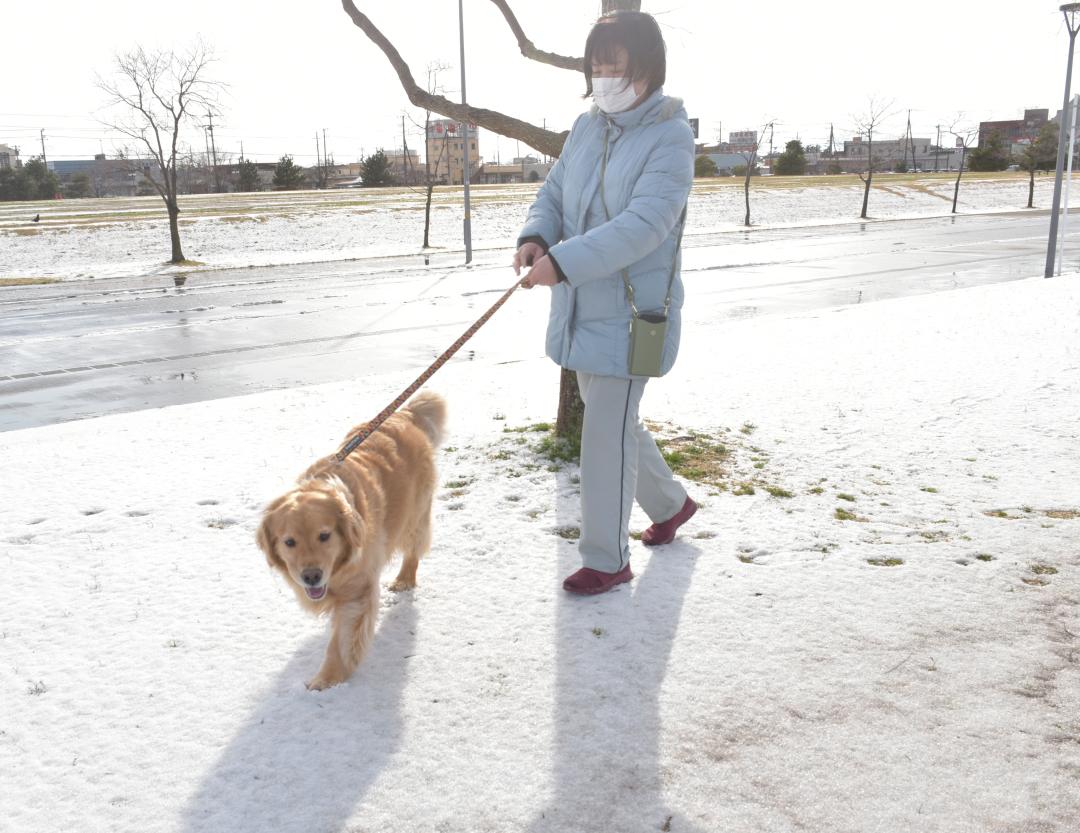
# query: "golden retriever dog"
334, 532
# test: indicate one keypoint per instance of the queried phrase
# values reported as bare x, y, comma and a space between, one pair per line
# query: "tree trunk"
174, 231
959, 173
746, 188
866, 193
427, 215
571, 408
1031, 190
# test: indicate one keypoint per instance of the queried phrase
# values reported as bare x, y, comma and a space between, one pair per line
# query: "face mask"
614, 95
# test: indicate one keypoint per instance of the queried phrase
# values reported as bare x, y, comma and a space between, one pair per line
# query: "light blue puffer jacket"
649, 174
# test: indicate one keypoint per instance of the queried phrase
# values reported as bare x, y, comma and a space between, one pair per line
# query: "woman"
604, 234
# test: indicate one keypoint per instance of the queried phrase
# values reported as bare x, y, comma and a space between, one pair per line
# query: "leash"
372, 426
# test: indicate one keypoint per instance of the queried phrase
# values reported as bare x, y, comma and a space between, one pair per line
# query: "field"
88, 238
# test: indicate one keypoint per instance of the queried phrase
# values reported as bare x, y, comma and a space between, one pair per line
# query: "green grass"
982, 556
842, 514
1043, 570
845, 496
776, 491
930, 489
743, 489
885, 562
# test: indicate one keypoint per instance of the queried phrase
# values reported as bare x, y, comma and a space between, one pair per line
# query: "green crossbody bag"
648, 329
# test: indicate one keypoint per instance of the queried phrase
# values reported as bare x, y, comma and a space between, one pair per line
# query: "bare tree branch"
529, 50
545, 141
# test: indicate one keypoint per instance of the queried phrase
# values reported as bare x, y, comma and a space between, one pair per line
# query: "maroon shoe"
589, 582
659, 534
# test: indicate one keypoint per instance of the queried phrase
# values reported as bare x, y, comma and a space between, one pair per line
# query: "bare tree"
750, 157
571, 409
870, 121
966, 135
161, 91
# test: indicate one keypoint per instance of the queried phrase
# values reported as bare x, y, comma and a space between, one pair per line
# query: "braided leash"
372, 426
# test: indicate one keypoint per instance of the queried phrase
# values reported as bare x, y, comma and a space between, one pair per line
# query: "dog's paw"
399, 585
321, 682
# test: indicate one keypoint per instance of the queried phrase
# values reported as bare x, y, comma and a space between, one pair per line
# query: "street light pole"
465, 138
1070, 10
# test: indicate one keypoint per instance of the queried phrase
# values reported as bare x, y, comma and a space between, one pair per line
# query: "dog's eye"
290, 542
324, 536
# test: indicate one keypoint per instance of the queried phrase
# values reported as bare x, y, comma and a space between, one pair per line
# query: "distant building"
9, 157
445, 151
108, 177
405, 166
891, 153
1017, 131
522, 169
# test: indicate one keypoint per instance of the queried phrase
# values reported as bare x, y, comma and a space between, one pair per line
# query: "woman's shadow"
612, 655
294, 766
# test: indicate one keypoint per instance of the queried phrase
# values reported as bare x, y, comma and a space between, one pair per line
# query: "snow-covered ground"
79, 239
913, 668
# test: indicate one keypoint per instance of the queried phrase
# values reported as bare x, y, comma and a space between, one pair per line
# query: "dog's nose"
311, 576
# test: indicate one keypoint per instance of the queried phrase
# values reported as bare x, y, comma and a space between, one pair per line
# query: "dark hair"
639, 35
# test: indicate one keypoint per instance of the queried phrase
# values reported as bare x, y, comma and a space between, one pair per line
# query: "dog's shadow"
293, 766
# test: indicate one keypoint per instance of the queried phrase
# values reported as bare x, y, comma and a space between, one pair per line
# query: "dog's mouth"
315, 593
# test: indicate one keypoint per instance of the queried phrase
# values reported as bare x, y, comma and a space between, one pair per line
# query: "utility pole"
832, 142
206, 144
911, 143
318, 158
937, 148
465, 137
326, 160
771, 131
213, 149
44, 160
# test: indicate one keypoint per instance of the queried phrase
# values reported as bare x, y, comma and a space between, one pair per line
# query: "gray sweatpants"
619, 462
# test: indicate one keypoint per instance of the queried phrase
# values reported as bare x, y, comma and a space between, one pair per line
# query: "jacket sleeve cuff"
558, 269
534, 238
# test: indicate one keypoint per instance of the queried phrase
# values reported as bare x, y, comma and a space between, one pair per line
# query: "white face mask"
614, 95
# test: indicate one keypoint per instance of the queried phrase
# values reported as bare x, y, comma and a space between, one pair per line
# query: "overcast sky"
294, 69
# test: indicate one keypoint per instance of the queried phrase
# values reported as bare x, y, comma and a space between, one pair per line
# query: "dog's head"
309, 532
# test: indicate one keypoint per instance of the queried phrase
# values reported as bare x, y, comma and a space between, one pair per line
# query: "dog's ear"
264, 537
352, 522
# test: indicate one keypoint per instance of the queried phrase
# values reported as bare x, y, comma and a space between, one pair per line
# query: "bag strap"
607, 215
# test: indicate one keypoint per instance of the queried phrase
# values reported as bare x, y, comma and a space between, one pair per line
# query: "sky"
294, 71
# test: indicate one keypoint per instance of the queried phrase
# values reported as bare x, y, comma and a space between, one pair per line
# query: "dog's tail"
428, 413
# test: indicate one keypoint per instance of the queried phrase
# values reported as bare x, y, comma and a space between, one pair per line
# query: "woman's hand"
542, 274
527, 255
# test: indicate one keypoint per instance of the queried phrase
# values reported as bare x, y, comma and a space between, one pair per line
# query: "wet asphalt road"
85, 349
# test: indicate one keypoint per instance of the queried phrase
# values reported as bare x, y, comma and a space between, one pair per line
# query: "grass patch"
185, 263
559, 449
568, 533
842, 514
845, 496
696, 457
816, 490
982, 556
1063, 514
27, 232
748, 428
885, 562
26, 281
537, 428
1035, 582
460, 483
929, 489
1043, 570
995, 513
743, 489
934, 535
776, 491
